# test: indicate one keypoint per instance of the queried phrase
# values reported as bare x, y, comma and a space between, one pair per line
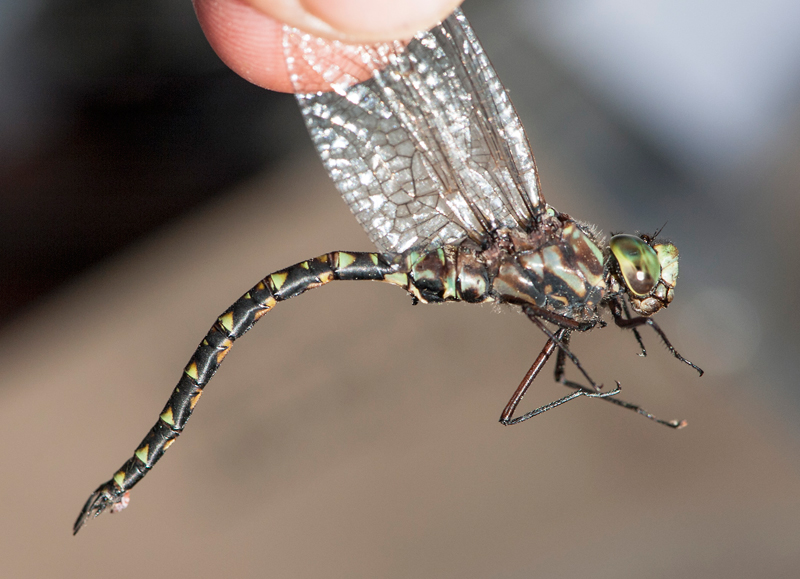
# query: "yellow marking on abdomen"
142, 453
226, 321
194, 400
278, 279
268, 304
167, 417
346, 259
191, 370
224, 349
259, 313
400, 279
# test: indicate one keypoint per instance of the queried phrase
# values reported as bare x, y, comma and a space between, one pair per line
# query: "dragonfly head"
646, 269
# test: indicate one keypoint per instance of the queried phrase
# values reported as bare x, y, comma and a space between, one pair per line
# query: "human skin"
246, 34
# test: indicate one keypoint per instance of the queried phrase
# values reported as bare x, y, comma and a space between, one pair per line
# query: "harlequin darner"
434, 163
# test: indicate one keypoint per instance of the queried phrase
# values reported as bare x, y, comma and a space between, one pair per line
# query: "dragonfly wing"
428, 150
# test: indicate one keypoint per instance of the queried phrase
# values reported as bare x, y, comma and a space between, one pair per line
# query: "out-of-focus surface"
351, 435
115, 117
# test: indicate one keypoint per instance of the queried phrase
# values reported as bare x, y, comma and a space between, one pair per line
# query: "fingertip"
246, 40
247, 34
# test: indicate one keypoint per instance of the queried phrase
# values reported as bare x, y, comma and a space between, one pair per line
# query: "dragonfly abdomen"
447, 273
232, 324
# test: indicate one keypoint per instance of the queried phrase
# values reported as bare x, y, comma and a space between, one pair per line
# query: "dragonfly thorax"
561, 275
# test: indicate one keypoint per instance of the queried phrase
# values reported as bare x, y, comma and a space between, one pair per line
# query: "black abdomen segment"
233, 323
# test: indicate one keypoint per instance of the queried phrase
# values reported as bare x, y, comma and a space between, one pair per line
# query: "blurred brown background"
145, 187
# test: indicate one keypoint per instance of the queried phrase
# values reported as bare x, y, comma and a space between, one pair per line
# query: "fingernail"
380, 20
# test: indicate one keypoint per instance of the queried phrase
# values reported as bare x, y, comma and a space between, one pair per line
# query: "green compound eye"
638, 263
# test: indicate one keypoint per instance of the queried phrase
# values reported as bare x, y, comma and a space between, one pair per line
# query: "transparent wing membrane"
426, 151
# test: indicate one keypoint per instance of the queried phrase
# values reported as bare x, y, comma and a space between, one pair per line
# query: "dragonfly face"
647, 270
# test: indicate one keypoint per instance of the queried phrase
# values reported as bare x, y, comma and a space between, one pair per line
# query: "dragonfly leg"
676, 424
634, 330
561, 360
633, 323
564, 351
553, 342
560, 378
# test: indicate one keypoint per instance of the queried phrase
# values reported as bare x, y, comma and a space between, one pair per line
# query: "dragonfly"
423, 143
